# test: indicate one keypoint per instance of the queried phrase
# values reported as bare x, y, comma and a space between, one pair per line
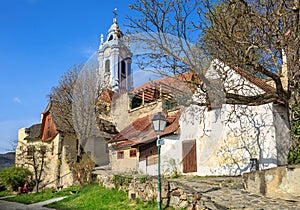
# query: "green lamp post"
159, 123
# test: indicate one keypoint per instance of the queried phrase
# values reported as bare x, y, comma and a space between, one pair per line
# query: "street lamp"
159, 123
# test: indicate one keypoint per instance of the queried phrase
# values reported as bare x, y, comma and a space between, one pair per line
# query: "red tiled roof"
140, 131
169, 86
182, 84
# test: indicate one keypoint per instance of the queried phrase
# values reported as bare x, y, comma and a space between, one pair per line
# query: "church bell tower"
115, 59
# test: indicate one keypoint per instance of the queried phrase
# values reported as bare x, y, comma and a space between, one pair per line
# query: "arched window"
107, 66
123, 70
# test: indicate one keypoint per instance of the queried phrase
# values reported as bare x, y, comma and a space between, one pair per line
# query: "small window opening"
120, 155
123, 70
132, 153
107, 66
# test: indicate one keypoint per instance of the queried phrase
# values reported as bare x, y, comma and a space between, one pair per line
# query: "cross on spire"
115, 15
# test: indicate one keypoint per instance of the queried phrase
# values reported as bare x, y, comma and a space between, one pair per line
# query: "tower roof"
114, 30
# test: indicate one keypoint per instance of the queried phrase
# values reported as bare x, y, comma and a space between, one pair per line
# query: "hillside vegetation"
7, 160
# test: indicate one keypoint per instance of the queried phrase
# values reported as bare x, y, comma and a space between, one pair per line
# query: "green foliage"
143, 179
5, 193
15, 177
294, 153
41, 196
120, 180
97, 197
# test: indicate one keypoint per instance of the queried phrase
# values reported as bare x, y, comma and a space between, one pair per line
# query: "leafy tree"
261, 37
15, 177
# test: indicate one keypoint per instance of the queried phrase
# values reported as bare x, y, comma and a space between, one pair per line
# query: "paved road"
222, 193
217, 193
6, 205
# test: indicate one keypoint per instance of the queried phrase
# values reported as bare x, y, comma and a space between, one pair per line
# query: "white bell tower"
115, 59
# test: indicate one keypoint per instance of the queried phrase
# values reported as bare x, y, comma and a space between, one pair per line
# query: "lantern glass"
159, 123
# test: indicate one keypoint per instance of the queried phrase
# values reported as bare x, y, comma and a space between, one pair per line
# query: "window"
48, 128
123, 73
132, 153
120, 155
107, 66
110, 38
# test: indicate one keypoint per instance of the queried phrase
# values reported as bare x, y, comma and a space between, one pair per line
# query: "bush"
121, 181
15, 177
83, 170
2, 187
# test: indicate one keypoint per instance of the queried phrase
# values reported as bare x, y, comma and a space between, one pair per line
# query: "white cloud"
17, 100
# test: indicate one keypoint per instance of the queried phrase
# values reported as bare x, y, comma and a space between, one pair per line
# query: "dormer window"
110, 38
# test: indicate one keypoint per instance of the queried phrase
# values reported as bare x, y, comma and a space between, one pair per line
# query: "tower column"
118, 53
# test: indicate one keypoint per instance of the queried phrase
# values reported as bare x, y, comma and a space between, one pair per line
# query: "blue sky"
39, 41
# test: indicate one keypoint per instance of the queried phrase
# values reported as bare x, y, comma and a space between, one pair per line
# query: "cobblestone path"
228, 193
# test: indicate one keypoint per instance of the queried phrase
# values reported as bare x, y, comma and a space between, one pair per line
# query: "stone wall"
279, 182
173, 193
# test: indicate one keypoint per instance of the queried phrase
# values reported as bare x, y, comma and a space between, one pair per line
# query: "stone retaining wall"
279, 182
173, 193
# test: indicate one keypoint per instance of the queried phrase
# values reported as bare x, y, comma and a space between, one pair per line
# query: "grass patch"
40, 196
97, 197
6, 193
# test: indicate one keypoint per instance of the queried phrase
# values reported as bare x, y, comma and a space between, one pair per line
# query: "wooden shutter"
189, 156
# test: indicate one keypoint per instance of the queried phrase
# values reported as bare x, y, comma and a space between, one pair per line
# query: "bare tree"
85, 92
13, 144
74, 102
34, 156
62, 98
261, 37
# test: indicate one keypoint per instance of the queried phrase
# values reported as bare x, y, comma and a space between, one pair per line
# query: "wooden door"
189, 156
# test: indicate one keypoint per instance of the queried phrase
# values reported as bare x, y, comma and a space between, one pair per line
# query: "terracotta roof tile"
177, 85
140, 131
